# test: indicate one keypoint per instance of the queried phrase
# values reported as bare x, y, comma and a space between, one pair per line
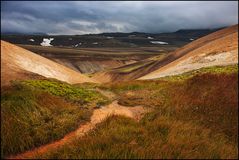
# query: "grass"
213, 70
132, 67
135, 66
78, 93
208, 99
162, 137
36, 112
193, 118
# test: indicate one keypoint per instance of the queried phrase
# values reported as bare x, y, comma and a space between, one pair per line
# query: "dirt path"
98, 116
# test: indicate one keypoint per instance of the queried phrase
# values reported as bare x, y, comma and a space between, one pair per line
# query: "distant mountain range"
115, 39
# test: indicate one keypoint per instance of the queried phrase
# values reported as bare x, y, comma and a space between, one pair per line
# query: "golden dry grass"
193, 118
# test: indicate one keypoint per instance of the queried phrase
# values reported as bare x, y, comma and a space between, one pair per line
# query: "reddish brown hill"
224, 40
18, 63
219, 51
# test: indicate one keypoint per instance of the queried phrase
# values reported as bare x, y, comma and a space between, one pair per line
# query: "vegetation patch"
133, 67
196, 117
162, 137
83, 95
193, 118
36, 112
213, 70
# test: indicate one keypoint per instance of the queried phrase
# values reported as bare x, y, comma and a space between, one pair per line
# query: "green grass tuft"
35, 112
77, 94
213, 70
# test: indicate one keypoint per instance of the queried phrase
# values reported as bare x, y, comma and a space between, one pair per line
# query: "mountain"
18, 63
224, 40
197, 31
219, 48
115, 39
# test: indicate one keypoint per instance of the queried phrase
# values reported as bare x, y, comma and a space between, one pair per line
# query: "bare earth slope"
220, 41
18, 63
91, 60
219, 48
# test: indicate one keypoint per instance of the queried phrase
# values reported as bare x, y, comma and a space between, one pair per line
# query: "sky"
83, 17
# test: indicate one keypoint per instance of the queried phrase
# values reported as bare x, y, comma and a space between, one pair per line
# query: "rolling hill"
93, 53
219, 48
213, 45
18, 63
90, 60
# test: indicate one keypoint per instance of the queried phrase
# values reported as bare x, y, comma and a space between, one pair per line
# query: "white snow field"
47, 41
158, 42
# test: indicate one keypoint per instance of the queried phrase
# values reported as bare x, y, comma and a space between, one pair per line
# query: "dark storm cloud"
95, 17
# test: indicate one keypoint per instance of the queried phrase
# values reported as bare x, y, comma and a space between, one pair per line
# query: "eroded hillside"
225, 40
18, 63
91, 60
223, 50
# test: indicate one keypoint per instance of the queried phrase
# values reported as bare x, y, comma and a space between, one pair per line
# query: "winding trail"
98, 116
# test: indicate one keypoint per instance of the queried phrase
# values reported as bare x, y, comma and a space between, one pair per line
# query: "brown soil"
91, 60
222, 50
216, 42
18, 63
98, 116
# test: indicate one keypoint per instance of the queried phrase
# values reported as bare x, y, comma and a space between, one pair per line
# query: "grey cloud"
93, 17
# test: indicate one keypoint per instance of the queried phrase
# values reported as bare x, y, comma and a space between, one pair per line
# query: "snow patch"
47, 41
78, 44
191, 39
158, 42
32, 40
109, 37
95, 43
150, 37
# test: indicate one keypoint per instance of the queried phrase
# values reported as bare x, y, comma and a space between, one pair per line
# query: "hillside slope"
198, 121
18, 63
209, 51
90, 60
220, 41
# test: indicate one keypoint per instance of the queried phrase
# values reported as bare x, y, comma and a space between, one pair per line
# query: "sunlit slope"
18, 63
220, 41
219, 48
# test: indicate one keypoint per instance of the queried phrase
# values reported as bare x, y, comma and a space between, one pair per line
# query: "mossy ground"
81, 94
